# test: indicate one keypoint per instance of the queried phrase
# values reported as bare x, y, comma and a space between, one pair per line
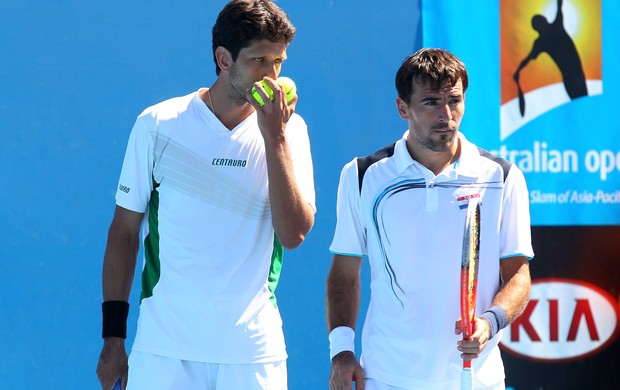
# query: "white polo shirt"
211, 259
410, 224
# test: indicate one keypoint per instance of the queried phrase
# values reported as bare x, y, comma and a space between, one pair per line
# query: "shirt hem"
210, 359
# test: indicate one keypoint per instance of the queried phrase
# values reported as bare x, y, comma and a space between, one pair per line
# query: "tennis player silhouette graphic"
555, 41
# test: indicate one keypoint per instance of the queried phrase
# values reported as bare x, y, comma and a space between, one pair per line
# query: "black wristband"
114, 319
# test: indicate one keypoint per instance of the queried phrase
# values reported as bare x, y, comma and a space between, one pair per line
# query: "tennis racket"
469, 282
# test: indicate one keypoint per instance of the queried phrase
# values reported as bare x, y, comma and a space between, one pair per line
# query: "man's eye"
259, 59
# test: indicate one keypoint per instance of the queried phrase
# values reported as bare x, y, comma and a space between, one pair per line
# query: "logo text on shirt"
228, 162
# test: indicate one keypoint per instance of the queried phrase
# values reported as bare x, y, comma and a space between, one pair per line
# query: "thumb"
360, 380
458, 326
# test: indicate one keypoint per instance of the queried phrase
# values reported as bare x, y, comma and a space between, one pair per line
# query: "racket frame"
469, 272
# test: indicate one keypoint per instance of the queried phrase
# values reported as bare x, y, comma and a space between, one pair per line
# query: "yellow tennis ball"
290, 89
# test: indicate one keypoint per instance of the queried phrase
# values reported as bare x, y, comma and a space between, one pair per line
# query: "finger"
360, 380
278, 91
340, 384
250, 99
458, 326
342, 379
107, 381
273, 84
470, 351
293, 102
467, 357
260, 90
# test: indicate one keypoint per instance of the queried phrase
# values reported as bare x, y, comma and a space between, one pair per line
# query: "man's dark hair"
438, 67
242, 21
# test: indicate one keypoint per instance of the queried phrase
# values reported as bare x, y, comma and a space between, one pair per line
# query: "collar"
466, 165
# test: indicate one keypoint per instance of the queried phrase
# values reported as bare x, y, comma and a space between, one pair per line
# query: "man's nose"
445, 113
272, 70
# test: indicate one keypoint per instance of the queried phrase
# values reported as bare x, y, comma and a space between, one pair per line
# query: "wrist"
341, 339
114, 324
497, 319
113, 344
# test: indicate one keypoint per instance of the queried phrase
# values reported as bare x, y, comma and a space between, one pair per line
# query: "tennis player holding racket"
404, 208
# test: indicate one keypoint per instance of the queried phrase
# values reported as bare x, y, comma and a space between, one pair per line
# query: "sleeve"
299, 147
515, 221
136, 183
350, 235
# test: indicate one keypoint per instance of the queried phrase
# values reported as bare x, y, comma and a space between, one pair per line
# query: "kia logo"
564, 320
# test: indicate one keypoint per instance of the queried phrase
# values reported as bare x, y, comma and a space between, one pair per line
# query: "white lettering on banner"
564, 320
543, 159
541, 197
603, 161
575, 197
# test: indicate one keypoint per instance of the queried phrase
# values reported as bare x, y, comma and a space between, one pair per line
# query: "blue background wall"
73, 77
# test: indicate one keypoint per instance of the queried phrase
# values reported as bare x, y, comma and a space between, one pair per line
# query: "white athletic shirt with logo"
210, 259
410, 224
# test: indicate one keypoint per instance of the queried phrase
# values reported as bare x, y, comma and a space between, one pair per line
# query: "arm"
533, 54
119, 265
559, 16
516, 282
342, 303
292, 216
513, 297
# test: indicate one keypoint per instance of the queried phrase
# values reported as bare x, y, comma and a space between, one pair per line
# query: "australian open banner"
542, 80
543, 75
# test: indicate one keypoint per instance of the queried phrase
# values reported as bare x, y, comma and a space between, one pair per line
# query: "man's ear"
223, 58
402, 108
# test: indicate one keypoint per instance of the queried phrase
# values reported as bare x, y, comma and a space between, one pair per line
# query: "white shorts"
153, 372
373, 384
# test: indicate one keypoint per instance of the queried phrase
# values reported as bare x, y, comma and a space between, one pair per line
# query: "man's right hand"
112, 363
346, 370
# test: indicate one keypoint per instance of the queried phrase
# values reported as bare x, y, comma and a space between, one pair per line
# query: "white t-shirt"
211, 262
410, 224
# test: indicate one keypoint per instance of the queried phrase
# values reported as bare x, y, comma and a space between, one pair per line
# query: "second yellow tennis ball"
290, 89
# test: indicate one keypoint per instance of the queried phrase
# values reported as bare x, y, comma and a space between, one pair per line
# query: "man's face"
262, 58
434, 116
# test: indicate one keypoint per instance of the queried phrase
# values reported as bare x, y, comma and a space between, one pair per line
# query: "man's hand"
346, 370
112, 363
273, 115
473, 347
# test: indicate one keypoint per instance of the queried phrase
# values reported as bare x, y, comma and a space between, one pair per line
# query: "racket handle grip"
467, 379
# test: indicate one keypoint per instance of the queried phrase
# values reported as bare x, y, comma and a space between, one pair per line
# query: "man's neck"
229, 111
435, 162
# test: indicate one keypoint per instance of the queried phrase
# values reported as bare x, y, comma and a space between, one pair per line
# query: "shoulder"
502, 163
363, 163
169, 108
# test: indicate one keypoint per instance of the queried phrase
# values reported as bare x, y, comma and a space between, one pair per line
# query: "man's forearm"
514, 294
119, 262
292, 216
342, 300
